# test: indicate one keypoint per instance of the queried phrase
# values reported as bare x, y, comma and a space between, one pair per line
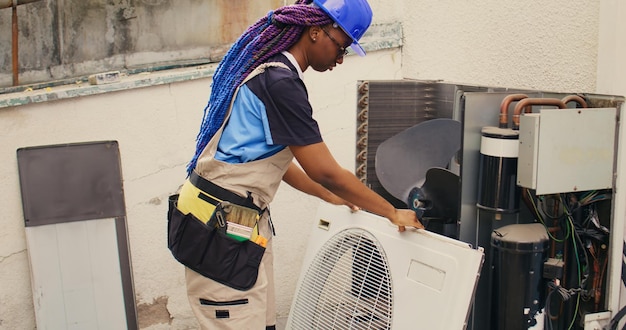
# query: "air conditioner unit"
361, 273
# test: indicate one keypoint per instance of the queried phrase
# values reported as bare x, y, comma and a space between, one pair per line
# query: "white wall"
612, 47
547, 45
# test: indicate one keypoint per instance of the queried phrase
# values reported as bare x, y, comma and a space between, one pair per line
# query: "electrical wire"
565, 295
570, 228
546, 213
591, 229
578, 280
574, 236
618, 317
540, 218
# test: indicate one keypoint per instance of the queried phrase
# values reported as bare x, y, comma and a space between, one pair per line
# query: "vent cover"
359, 272
348, 286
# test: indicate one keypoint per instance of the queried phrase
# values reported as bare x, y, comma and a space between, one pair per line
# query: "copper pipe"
575, 98
527, 103
364, 87
14, 45
504, 108
362, 156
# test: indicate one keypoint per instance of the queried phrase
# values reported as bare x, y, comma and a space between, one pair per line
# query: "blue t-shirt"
270, 112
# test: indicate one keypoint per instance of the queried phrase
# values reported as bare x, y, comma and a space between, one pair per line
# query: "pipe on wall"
14, 52
14, 31
11, 3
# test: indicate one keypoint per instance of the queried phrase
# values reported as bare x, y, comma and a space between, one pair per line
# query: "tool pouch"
209, 251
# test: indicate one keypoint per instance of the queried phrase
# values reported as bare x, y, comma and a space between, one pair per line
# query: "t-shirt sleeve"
290, 115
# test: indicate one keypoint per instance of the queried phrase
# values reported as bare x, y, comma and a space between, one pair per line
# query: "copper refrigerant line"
524, 103
363, 107
504, 108
575, 98
14, 32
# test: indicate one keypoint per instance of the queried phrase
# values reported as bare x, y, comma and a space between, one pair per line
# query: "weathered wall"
71, 38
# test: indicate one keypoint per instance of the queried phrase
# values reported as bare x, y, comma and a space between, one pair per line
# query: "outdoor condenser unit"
568, 150
361, 273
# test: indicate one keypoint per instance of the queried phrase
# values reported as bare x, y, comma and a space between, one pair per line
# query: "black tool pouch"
209, 251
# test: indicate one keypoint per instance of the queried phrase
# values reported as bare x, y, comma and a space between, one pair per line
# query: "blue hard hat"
353, 16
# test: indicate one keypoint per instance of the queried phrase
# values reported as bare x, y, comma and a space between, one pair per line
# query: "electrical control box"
567, 150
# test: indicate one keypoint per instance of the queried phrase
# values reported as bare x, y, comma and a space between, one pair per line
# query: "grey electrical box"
566, 150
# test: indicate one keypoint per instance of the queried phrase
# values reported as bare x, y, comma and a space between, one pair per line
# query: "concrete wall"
548, 45
60, 39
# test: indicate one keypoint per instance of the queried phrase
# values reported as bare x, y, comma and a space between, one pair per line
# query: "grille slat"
347, 286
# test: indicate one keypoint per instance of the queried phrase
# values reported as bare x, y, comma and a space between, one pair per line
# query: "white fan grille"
347, 286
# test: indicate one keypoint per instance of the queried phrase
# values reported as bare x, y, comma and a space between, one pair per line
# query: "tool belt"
210, 248
220, 193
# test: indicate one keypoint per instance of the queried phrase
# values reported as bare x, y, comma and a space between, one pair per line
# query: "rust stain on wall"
149, 314
234, 18
76, 38
237, 15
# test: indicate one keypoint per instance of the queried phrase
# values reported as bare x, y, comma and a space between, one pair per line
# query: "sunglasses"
341, 50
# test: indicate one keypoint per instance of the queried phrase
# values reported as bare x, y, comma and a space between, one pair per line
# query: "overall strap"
260, 69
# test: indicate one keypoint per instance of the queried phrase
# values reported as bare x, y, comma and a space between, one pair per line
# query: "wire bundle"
565, 207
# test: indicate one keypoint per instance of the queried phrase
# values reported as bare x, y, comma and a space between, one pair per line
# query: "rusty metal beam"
16, 68
13, 4
10, 3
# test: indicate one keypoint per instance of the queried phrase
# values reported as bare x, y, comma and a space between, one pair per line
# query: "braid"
269, 36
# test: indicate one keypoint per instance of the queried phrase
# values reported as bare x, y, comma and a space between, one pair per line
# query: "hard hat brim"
356, 47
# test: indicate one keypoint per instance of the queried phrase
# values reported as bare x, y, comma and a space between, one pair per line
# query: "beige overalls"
215, 305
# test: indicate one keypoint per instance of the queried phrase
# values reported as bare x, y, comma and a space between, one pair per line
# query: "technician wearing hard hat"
257, 120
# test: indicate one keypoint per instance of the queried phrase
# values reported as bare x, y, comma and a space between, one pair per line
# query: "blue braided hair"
270, 35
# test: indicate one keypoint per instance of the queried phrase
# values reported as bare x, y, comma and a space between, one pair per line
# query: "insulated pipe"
527, 103
13, 4
504, 108
575, 98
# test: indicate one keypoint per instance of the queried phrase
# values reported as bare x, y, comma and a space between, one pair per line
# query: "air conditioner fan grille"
347, 286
